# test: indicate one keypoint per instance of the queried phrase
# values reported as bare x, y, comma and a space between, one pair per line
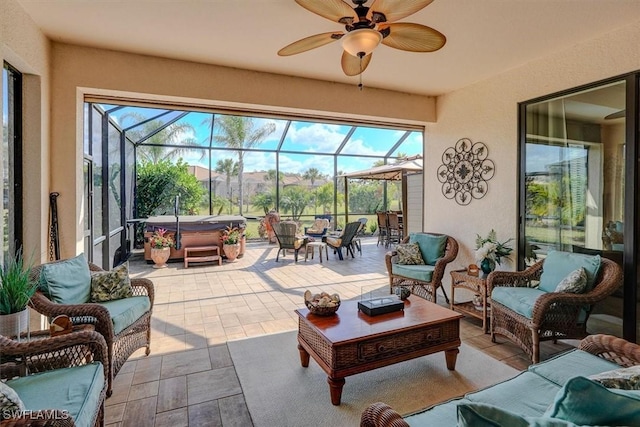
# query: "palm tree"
229, 168
155, 149
313, 174
240, 133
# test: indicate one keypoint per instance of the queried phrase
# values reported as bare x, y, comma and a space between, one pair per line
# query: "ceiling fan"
616, 115
367, 27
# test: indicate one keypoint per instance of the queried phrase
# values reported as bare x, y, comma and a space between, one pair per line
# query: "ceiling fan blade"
351, 64
333, 10
309, 43
413, 37
394, 10
616, 115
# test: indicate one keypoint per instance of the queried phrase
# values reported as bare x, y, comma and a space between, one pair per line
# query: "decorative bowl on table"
322, 304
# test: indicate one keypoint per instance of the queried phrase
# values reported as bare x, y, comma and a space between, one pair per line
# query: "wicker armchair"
49, 357
119, 346
555, 315
426, 290
608, 347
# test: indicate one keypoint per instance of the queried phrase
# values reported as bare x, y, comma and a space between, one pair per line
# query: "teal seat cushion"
557, 265
520, 300
586, 402
480, 415
66, 282
526, 394
560, 368
76, 390
125, 311
443, 414
423, 273
432, 247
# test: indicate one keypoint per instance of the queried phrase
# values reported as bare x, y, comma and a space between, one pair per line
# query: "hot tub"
195, 230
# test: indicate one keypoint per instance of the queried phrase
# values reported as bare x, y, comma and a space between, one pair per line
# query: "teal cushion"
423, 273
557, 265
520, 300
527, 394
560, 368
443, 414
125, 311
66, 282
586, 402
432, 247
76, 390
480, 415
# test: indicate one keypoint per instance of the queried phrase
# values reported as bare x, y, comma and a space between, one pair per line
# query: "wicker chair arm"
514, 279
41, 418
43, 305
87, 339
388, 259
611, 348
381, 415
450, 254
142, 286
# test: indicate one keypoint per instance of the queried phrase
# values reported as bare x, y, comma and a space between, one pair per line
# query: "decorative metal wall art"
465, 171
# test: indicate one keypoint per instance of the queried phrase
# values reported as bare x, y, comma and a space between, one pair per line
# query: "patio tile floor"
189, 378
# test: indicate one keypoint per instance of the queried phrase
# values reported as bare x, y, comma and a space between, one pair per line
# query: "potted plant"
160, 244
231, 242
489, 251
16, 289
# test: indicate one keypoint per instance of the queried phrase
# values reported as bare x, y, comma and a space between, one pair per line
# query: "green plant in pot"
16, 289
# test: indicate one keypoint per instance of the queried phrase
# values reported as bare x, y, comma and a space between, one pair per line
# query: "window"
11, 160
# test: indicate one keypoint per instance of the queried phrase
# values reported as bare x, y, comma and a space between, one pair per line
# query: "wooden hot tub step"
201, 254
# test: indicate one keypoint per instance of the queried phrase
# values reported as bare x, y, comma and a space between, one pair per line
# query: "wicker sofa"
125, 323
545, 394
54, 381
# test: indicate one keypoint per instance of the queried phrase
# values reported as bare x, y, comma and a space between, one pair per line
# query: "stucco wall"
80, 70
487, 112
24, 46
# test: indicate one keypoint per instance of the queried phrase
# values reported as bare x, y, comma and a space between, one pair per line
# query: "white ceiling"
484, 37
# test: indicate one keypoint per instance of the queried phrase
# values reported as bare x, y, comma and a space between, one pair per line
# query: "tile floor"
197, 310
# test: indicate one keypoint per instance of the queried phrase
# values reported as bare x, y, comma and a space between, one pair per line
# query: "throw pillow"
432, 246
574, 283
482, 415
66, 282
111, 285
623, 378
557, 265
409, 254
585, 402
10, 403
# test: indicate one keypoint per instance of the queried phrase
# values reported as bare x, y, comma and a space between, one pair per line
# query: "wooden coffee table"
350, 342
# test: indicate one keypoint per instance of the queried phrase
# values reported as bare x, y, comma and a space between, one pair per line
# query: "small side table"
311, 247
477, 285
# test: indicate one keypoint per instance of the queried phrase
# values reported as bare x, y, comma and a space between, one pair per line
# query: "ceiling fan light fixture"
361, 42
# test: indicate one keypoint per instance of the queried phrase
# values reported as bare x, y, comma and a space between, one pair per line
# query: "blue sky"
306, 137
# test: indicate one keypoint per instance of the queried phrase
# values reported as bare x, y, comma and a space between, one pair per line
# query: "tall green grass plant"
16, 287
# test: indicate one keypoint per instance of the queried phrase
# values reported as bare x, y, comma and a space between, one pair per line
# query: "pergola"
389, 172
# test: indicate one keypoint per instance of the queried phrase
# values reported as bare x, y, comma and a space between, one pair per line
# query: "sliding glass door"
576, 169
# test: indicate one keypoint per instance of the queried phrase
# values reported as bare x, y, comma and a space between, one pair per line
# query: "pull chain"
360, 55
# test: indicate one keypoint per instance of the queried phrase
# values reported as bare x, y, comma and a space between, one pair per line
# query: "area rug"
280, 392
